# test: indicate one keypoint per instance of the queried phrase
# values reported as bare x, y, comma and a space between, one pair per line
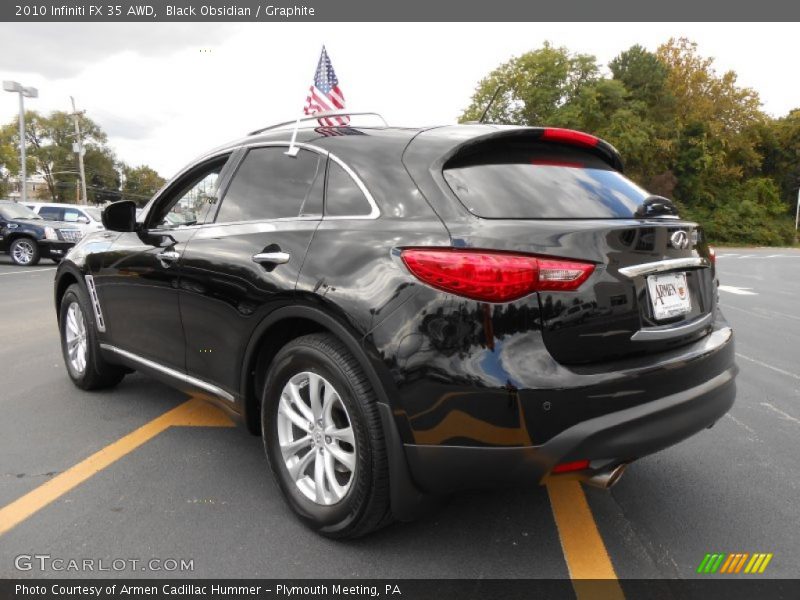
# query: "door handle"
271, 258
167, 257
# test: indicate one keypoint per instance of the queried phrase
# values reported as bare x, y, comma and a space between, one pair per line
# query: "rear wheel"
79, 345
323, 438
24, 252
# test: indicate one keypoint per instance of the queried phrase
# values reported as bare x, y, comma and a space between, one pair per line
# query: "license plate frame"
669, 295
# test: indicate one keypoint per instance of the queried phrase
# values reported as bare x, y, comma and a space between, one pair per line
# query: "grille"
70, 235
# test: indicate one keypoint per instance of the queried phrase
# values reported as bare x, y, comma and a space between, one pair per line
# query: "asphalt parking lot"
183, 484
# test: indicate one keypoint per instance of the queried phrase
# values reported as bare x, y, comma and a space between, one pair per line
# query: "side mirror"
120, 216
83, 220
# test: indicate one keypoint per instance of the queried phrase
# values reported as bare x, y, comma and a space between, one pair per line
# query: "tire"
356, 503
24, 252
76, 321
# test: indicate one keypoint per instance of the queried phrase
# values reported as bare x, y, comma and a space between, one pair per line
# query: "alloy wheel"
316, 438
75, 337
23, 252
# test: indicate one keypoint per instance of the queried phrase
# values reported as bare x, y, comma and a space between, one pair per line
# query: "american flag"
324, 94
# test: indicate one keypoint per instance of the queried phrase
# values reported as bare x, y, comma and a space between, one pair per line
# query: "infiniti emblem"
679, 240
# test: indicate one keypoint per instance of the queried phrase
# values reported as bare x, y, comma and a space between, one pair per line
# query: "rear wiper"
656, 206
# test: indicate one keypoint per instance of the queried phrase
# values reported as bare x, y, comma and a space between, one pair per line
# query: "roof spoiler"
555, 135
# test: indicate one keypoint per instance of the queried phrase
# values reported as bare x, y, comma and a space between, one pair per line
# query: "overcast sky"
163, 101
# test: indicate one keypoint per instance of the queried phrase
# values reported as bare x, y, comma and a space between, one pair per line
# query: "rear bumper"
607, 440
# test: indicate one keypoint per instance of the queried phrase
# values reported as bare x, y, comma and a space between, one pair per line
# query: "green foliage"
49, 140
684, 130
140, 184
532, 86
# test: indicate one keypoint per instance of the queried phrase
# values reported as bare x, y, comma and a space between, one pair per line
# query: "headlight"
50, 233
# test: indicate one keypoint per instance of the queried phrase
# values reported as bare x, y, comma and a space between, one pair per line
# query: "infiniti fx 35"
405, 313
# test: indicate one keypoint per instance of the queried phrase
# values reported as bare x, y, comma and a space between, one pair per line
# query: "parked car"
85, 218
27, 237
383, 306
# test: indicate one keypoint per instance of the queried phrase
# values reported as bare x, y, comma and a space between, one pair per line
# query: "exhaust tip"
608, 478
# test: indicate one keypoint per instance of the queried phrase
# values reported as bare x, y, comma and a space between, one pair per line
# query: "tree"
140, 183
684, 130
532, 86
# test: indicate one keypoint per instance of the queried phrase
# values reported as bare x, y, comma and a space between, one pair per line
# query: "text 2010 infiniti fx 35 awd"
403, 313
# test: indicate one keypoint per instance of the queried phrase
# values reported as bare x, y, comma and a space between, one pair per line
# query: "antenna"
488, 106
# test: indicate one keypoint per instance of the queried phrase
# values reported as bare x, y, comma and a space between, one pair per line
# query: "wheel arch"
290, 322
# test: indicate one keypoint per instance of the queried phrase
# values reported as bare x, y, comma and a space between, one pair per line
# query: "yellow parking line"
586, 555
193, 412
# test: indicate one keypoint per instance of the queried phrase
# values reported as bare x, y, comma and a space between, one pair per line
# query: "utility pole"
797, 216
79, 149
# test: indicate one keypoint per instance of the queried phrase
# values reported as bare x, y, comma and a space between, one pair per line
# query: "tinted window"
542, 183
52, 212
270, 185
342, 196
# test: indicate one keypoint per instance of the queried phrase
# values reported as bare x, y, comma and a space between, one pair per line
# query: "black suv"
403, 313
27, 237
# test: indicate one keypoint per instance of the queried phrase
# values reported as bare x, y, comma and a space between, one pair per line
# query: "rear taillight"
712, 255
491, 276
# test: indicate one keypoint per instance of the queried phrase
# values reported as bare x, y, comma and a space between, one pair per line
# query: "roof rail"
319, 115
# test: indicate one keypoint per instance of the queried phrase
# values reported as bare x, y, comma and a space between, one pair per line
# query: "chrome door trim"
664, 265
271, 258
212, 389
654, 334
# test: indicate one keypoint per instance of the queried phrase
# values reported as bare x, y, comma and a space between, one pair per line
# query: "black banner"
408, 10
405, 589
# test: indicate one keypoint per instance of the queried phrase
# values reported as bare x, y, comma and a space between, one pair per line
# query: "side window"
52, 212
72, 215
343, 197
192, 198
271, 185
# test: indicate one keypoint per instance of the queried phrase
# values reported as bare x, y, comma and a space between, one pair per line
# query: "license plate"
669, 295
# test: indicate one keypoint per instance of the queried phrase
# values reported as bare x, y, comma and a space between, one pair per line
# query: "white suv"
85, 218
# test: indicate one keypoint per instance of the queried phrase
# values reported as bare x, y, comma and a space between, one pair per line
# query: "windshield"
17, 211
542, 183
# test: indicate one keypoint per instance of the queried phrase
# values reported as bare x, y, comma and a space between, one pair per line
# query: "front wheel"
323, 438
79, 344
24, 252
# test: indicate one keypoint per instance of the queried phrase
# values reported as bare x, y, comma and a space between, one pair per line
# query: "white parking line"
786, 416
741, 291
768, 366
30, 271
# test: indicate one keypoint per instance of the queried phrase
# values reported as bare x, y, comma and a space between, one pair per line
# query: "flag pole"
293, 150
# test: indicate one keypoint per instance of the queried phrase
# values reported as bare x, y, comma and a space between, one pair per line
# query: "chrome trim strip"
653, 334
664, 265
98, 312
217, 391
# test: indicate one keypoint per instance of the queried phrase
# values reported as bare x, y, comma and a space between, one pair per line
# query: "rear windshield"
542, 182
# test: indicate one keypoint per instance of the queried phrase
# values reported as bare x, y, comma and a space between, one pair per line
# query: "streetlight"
24, 92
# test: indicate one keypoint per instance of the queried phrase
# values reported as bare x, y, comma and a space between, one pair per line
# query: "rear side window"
271, 185
343, 197
53, 213
544, 181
